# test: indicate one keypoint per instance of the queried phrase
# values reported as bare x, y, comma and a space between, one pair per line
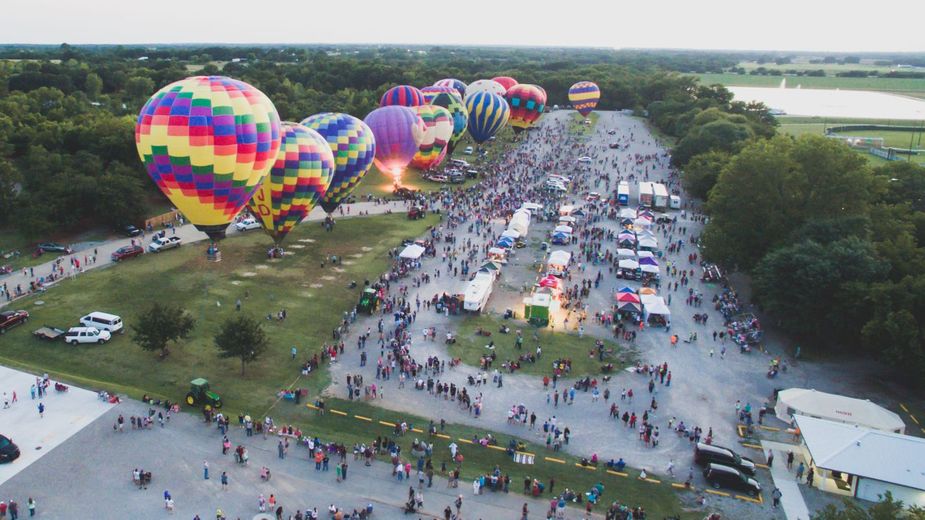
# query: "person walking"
205, 470
800, 469
810, 476
41, 410
770, 458
31, 505
789, 460
224, 481
14, 509
775, 495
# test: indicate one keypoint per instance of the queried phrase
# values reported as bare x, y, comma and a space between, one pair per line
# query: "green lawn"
893, 138
470, 347
578, 126
909, 87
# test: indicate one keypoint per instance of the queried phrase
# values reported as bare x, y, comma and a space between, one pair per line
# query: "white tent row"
656, 306
412, 252
567, 219
532, 206
648, 268
626, 253
563, 229
645, 254
648, 242
834, 407
628, 264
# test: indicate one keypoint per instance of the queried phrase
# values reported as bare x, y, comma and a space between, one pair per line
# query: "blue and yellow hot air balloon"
488, 113
354, 147
584, 96
208, 142
297, 181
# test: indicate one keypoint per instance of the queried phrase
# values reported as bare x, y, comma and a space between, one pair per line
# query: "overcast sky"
823, 25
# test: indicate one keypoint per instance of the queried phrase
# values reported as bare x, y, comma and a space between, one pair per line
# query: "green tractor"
369, 301
199, 395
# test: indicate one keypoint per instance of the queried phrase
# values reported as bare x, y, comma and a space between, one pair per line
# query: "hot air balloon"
431, 92
487, 114
438, 129
402, 95
208, 142
527, 104
297, 181
505, 81
459, 114
454, 83
354, 147
484, 85
398, 132
584, 96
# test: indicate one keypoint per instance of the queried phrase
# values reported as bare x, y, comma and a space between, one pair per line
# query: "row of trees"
239, 337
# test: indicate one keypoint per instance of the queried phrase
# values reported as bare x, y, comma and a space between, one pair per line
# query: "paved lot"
66, 413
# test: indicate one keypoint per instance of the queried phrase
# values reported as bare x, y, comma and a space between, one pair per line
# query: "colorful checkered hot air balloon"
527, 104
354, 147
208, 142
431, 92
438, 129
505, 81
398, 132
488, 113
402, 95
459, 114
485, 85
297, 181
584, 96
453, 83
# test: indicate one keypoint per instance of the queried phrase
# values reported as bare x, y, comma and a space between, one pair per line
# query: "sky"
809, 25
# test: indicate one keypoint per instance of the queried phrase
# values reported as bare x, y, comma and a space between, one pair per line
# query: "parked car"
459, 163
468, 150
10, 319
247, 224
720, 476
130, 230
593, 196
9, 451
126, 252
103, 321
161, 243
611, 132
77, 335
614, 145
457, 178
52, 247
584, 160
438, 178
710, 453
472, 174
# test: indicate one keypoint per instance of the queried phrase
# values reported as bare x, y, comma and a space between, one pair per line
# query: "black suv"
708, 453
720, 476
8, 451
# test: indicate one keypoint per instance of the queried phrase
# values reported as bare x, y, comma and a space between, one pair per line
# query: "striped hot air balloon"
402, 95
488, 113
584, 96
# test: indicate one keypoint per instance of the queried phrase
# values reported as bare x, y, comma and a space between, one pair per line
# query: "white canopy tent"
628, 264
567, 219
563, 229
512, 233
559, 257
649, 268
412, 252
656, 307
648, 242
839, 408
532, 206
626, 253
566, 210
628, 213
645, 254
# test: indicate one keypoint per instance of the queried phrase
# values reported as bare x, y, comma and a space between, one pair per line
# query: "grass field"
470, 347
816, 125
907, 87
577, 125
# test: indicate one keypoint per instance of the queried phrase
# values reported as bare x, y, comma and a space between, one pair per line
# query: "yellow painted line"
311, 406
679, 485
916, 421
769, 428
653, 481
617, 473
714, 492
589, 468
360, 417
765, 466
904, 407
753, 446
749, 499
442, 436
415, 430
460, 439
923, 430
387, 423
550, 459
741, 429
338, 412
499, 448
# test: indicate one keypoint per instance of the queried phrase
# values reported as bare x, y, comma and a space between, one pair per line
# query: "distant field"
814, 125
907, 87
829, 68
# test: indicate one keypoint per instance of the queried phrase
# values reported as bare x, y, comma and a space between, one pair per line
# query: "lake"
860, 104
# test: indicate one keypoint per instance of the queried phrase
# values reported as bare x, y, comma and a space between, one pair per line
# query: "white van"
76, 335
468, 150
103, 321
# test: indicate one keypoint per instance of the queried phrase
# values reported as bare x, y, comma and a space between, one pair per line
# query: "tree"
93, 85
721, 134
243, 338
159, 325
701, 172
886, 509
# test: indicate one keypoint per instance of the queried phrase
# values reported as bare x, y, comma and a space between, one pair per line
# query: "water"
860, 104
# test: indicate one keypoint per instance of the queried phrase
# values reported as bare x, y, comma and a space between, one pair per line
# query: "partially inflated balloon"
431, 92
354, 147
505, 81
438, 128
527, 104
297, 181
484, 85
459, 114
402, 95
584, 96
208, 142
453, 83
398, 131
488, 113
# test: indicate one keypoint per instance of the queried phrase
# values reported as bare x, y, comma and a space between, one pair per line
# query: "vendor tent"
628, 264
645, 254
834, 407
550, 282
563, 229
567, 219
628, 213
627, 289
648, 243
511, 233
629, 307
627, 297
559, 257
641, 223
412, 252
648, 268
647, 260
566, 210
505, 242
532, 206
626, 253
657, 307
647, 290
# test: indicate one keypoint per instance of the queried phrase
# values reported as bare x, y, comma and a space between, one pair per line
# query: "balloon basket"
213, 254
275, 252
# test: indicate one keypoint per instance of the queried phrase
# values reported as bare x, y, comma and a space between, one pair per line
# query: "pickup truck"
164, 242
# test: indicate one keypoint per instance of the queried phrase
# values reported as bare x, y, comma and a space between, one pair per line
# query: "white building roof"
836, 407
888, 457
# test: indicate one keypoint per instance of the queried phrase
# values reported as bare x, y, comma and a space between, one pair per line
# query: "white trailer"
623, 193
660, 198
477, 292
646, 193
